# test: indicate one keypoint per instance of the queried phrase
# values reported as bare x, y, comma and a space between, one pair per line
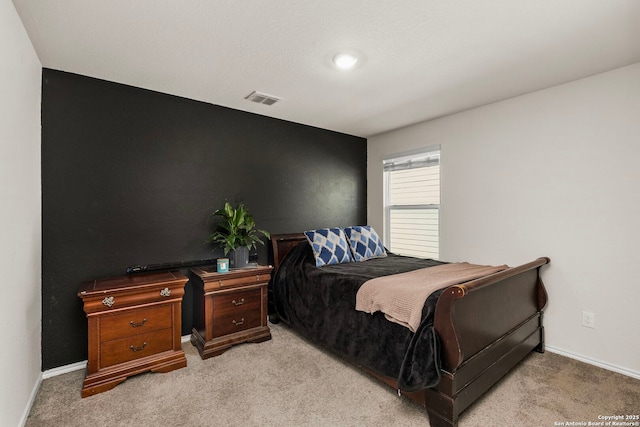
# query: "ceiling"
419, 59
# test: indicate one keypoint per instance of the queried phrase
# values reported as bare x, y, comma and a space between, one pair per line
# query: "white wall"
552, 173
20, 218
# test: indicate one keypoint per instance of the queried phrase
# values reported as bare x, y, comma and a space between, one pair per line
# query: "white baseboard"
32, 398
594, 362
64, 369
82, 365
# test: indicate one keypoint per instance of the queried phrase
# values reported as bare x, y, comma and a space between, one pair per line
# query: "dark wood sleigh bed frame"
486, 327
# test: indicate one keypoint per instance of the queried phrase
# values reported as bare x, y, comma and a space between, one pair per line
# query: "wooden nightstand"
134, 326
230, 308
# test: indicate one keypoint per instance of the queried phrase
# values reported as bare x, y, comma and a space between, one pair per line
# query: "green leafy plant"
237, 228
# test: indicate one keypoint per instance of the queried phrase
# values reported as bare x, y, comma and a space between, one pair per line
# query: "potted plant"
236, 233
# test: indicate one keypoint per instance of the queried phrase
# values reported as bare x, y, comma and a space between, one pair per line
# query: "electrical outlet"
588, 319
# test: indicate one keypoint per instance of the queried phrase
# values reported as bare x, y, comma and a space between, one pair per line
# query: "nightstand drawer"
135, 322
237, 311
135, 347
245, 280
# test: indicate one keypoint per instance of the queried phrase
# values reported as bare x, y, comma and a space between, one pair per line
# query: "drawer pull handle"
165, 292
144, 344
109, 301
240, 302
137, 325
238, 323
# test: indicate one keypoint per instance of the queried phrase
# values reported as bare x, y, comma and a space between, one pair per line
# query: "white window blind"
412, 203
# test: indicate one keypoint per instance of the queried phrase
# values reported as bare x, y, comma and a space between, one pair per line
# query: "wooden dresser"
134, 326
229, 308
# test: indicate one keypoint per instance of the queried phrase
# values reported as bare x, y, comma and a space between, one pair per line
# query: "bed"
470, 335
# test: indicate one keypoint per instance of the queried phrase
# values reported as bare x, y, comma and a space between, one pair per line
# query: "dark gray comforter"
319, 303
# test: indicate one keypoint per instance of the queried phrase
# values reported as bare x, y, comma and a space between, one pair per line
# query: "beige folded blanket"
401, 297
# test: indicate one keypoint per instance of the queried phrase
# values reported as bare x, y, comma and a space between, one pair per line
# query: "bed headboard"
282, 244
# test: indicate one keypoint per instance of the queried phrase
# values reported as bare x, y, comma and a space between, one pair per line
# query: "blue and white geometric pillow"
365, 243
329, 246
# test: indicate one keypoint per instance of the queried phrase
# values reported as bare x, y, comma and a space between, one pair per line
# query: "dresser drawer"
236, 312
135, 347
135, 322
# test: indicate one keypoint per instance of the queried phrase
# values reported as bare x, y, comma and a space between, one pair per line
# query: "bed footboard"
487, 326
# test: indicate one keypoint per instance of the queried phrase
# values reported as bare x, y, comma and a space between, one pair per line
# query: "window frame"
403, 160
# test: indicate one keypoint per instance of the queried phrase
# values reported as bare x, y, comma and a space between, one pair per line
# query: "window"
412, 203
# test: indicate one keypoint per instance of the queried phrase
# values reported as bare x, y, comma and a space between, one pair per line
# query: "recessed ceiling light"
345, 61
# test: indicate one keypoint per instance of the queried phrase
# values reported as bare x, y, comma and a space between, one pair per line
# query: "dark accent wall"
131, 176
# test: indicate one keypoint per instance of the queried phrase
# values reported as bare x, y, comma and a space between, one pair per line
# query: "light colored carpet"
289, 382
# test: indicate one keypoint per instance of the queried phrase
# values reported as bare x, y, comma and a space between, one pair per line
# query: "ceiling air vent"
262, 98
